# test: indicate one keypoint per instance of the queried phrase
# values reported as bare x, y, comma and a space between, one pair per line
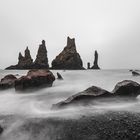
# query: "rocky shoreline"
107, 126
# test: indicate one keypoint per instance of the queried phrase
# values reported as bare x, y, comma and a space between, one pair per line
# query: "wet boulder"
35, 79
83, 98
134, 73
7, 82
127, 88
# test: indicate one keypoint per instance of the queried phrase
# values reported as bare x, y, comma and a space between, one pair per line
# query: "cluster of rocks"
95, 64
69, 58
33, 79
126, 88
26, 61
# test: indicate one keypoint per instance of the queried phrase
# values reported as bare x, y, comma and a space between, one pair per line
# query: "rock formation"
41, 58
83, 98
126, 88
88, 65
59, 77
135, 73
69, 58
95, 64
7, 82
35, 79
26, 62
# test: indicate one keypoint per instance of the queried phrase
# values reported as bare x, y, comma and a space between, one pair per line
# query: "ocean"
17, 107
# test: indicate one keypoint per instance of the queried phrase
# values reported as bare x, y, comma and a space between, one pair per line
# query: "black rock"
84, 97
95, 65
7, 82
41, 61
26, 62
35, 79
69, 58
59, 76
127, 88
88, 65
134, 73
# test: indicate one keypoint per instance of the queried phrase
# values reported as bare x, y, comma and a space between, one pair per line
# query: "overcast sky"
110, 26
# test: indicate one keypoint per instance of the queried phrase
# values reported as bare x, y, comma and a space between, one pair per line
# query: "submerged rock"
59, 77
69, 58
134, 73
7, 82
84, 97
35, 79
95, 65
127, 88
41, 61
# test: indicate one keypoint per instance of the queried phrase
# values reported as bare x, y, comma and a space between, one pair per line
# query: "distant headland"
68, 59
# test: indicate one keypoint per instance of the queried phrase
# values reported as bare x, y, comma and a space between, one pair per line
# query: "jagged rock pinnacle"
68, 58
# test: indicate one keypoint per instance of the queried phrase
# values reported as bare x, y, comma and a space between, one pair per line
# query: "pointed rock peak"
69, 58
95, 64
43, 42
27, 53
70, 42
27, 48
41, 60
20, 56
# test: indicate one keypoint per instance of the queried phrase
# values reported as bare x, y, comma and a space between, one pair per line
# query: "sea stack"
24, 62
41, 61
95, 64
88, 65
69, 58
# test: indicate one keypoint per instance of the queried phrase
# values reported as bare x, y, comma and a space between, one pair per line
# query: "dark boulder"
35, 79
95, 64
127, 88
7, 82
59, 77
84, 97
69, 58
1, 130
134, 73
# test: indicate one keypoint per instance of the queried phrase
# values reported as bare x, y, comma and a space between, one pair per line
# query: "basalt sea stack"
41, 61
95, 64
26, 62
69, 58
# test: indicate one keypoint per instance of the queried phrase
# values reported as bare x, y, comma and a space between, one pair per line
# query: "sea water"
37, 104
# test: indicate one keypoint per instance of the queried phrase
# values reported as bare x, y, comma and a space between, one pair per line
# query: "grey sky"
110, 26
